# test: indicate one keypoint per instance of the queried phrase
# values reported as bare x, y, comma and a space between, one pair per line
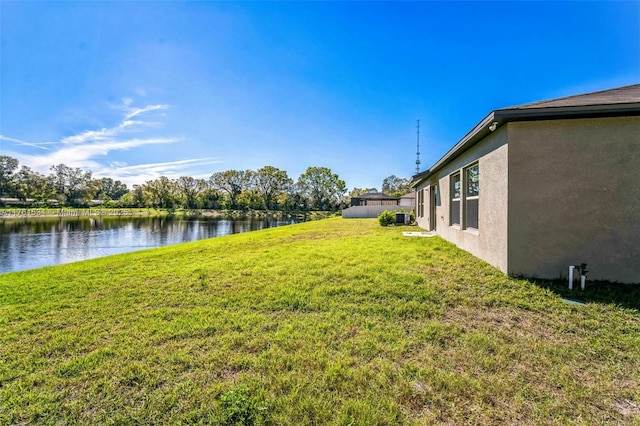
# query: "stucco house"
408, 200
535, 188
371, 204
374, 199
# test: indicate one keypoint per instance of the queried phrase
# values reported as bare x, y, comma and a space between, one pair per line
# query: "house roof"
410, 195
376, 196
620, 95
621, 101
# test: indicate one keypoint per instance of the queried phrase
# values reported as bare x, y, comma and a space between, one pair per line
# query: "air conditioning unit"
402, 218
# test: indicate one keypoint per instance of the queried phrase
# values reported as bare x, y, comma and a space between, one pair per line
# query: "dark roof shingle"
620, 95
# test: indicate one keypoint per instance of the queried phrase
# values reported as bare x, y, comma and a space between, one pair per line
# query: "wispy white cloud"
85, 156
133, 112
39, 145
166, 165
139, 173
104, 134
90, 149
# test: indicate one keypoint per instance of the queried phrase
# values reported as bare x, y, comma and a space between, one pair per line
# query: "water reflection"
33, 243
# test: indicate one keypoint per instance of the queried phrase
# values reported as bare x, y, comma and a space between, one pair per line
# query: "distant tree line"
267, 188
270, 188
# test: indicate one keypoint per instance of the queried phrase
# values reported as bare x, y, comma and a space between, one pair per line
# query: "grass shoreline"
327, 322
34, 213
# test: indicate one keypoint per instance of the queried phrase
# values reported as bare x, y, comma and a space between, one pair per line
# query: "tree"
8, 165
270, 183
59, 180
134, 198
395, 186
188, 188
30, 184
359, 191
322, 187
150, 194
294, 199
109, 189
250, 199
80, 188
209, 197
232, 182
70, 184
160, 192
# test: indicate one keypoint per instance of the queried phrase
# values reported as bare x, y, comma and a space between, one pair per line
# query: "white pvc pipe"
583, 279
571, 268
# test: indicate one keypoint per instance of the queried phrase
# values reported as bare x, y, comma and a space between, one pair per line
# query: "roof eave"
499, 117
541, 113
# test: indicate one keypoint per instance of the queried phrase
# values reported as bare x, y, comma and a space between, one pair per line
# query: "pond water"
33, 243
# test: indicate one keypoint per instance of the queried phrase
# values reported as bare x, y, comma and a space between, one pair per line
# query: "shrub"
386, 218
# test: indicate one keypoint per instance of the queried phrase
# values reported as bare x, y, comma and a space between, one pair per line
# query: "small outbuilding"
408, 200
374, 199
371, 204
536, 188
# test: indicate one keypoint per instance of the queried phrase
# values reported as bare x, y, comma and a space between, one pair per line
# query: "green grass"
328, 322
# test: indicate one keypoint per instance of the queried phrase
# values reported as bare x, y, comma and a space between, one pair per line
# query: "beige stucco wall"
489, 242
574, 197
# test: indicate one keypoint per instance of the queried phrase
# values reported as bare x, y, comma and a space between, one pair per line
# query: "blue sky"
136, 90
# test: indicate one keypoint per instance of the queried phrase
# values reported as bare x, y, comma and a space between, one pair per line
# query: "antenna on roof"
418, 147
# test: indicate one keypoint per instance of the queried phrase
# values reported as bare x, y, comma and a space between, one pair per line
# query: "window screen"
472, 195
455, 199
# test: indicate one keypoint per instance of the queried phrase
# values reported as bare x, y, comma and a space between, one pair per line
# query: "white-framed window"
456, 193
471, 195
465, 197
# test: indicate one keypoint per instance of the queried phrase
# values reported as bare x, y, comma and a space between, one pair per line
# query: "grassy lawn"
328, 322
